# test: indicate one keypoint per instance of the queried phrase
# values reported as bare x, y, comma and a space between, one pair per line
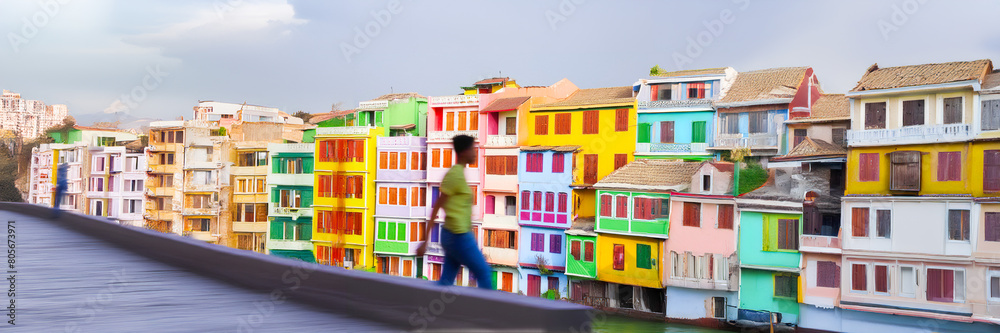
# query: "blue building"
676, 118
546, 211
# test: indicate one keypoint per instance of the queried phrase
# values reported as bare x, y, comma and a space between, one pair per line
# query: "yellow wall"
974, 165
632, 275
366, 205
929, 184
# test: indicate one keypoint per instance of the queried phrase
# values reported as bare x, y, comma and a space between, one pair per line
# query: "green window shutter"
497, 282
307, 198
642, 256
770, 233
274, 195
698, 132
307, 165
290, 230
642, 132
275, 165
392, 231
276, 229
381, 230
401, 233
306, 230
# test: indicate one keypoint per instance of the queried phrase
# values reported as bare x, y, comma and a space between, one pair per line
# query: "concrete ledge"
410, 304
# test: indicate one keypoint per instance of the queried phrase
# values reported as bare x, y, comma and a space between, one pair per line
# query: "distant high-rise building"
30, 118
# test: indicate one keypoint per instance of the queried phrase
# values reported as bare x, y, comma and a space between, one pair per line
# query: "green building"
290, 190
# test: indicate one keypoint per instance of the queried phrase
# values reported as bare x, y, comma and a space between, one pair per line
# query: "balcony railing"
447, 135
910, 134
455, 100
293, 212
818, 243
401, 141
670, 147
684, 103
762, 140
501, 140
348, 130
278, 148
373, 105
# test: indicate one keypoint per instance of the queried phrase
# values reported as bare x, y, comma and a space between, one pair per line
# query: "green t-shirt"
458, 208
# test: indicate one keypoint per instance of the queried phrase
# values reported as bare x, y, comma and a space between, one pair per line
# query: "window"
991, 115
591, 121
667, 132
991, 169
882, 279
993, 282
692, 214
436, 158
621, 120
905, 171
534, 163
606, 205
643, 256
537, 198
198, 225
827, 274
661, 92
706, 183
799, 135
913, 113
875, 115
510, 124
621, 206
510, 205
619, 257
907, 281
758, 122
504, 239
555, 244
563, 202
574, 249
953, 110
945, 285
462, 121
699, 131
859, 277
859, 222
588, 251
785, 285
537, 242
788, 234
563, 123
550, 200
541, 124
726, 217
133, 206
620, 160
730, 123
949, 166
840, 137
558, 162
525, 200
590, 168
883, 223
992, 222
719, 307
958, 224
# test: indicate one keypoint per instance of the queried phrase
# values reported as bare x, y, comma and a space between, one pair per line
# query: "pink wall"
684, 238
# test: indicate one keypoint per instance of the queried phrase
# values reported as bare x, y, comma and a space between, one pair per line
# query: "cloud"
222, 19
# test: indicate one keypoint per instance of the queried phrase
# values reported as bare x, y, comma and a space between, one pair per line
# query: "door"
508, 282
667, 132
534, 285
394, 266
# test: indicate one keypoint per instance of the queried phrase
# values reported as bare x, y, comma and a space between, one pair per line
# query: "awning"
505, 104
302, 255
403, 127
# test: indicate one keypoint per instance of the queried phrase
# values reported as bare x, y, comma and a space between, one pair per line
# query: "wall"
933, 107
682, 124
687, 303
919, 225
757, 293
581, 267
631, 275
528, 258
752, 242
971, 171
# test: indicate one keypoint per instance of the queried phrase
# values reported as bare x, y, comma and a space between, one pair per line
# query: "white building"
219, 111
115, 187
30, 118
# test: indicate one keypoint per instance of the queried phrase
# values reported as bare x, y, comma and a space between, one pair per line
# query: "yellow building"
602, 121
618, 260
491, 85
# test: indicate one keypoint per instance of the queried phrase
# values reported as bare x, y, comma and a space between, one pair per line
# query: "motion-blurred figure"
60, 189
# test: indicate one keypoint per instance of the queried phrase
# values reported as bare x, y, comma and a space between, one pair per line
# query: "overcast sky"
307, 55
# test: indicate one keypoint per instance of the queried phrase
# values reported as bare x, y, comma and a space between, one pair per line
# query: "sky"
157, 59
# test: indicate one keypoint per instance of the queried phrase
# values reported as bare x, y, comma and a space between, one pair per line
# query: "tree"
305, 116
656, 70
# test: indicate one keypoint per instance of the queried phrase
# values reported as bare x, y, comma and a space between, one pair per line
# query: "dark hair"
462, 143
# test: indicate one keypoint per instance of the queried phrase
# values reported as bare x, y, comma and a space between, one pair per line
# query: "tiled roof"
561, 149
318, 118
582, 226
583, 97
505, 104
722, 166
828, 107
691, 72
658, 175
992, 82
810, 147
390, 97
916, 75
774, 85
493, 80
90, 128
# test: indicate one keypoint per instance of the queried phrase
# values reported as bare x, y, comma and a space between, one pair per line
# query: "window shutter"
591, 121
620, 160
558, 162
563, 123
725, 216
992, 227
654, 92
991, 170
642, 132
538, 201
511, 165
905, 171
667, 132
590, 168
575, 249
621, 120
588, 251
859, 222
953, 110
698, 131
563, 201
883, 222
525, 200
881, 279
541, 124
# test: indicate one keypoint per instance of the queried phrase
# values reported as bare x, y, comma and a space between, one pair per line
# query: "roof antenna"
390, 90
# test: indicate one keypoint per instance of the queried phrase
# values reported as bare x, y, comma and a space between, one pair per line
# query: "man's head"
465, 149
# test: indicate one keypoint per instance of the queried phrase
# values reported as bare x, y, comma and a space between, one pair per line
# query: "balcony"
297, 179
202, 165
284, 244
684, 103
160, 191
500, 256
205, 236
249, 170
159, 215
293, 212
157, 146
671, 148
910, 135
447, 135
278, 148
163, 168
400, 175
819, 244
201, 188
396, 247
200, 211
501, 140
373, 105
753, 141
253, 227
455, 100
347, 130
418, 142
403, 211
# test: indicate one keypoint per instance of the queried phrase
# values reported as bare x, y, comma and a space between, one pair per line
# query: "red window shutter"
654, 92
620, 160
541, 124
991, 170
525, 200
550, 199
992, 227
621, 206
859, 277
859, 222
606, 205
575, 249
588, 252
667, 132
882, 279
563, 201
619, 260
359, 150
621, 120
558, 162
538, 201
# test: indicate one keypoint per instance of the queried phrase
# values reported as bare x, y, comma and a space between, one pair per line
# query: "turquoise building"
769, 258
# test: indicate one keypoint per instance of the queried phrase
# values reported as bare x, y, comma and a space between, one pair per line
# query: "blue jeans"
60, 192
462, 250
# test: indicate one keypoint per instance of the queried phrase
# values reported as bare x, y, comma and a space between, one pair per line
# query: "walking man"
60, 189
460, 248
